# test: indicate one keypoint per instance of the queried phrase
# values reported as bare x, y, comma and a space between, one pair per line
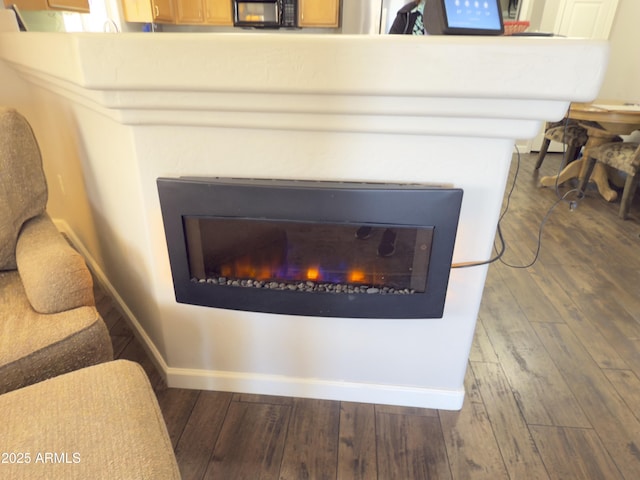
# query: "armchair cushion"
54, 275
35, 346
103, 422
23, 188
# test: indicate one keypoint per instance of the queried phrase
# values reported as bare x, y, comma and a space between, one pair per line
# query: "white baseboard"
524, 146
239, 382
405, 396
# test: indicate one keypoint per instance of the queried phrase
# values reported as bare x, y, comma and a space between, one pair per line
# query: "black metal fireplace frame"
312, 201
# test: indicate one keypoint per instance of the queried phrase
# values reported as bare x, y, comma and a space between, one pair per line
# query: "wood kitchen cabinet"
148, 11
137, 11
80, 6
163, 11
218, 12
189, 12
204, 12
182, 12
311, 13
318, 13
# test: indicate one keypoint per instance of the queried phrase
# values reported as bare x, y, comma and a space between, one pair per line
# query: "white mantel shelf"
134, 107
315, 81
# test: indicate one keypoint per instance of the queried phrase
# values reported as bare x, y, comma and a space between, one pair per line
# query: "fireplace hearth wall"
210, 223
114, 113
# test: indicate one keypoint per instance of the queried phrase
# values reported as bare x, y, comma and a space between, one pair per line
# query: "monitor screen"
473, 14
463, 17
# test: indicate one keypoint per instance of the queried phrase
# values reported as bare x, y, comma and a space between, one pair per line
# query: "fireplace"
333, 249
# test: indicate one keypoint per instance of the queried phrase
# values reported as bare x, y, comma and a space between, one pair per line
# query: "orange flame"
356, 276
313, 273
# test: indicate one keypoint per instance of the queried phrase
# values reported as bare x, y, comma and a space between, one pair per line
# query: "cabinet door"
163, 11
218, 12
189, 11
81, 6
137, 11
318, 13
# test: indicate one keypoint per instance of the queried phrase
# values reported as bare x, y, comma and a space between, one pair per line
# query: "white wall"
14, 92
622, 81
547, 15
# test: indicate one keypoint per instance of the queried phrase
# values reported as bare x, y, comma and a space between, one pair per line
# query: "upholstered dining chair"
565, 131
623, 156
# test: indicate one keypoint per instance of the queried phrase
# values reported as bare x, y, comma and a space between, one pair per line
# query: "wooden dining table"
604, 121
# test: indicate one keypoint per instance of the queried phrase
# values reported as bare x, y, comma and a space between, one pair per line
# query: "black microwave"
265, 13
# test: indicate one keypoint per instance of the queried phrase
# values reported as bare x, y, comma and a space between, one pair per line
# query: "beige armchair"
48, 321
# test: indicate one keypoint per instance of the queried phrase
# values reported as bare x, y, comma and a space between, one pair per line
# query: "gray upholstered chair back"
621, 156
567, 131
23, 187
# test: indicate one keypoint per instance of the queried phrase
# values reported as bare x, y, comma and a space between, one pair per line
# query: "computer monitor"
463, 17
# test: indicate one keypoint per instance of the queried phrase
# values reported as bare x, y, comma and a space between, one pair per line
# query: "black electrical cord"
540, 229
573, 204
502, 244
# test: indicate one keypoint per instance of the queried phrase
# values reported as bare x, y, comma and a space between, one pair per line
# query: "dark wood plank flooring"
553, 385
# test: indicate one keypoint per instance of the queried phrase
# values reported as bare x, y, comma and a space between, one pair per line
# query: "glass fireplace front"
308, 256
363, 250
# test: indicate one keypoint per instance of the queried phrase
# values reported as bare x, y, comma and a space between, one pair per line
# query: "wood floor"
553, 385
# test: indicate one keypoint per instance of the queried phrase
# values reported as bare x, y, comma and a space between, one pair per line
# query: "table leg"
577, 169
570, 171
601, 179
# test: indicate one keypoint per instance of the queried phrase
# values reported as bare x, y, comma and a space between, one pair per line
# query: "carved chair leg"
570, 155
591, 162
576, 153
629, 191
543, 151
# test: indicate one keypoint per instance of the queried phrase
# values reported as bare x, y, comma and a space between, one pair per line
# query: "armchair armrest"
55, 276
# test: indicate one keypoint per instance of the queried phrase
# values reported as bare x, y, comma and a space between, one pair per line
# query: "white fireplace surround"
113, 112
